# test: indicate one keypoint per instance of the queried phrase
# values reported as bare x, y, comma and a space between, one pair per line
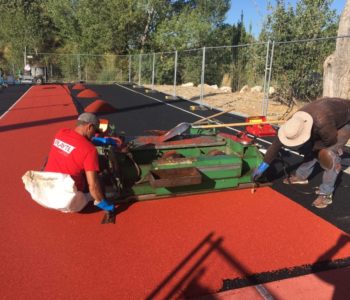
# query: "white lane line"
20, 98
191, 113
174, 106
161, 101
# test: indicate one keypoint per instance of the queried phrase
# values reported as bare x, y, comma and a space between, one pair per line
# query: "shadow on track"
338, 279
36, 123
191, 269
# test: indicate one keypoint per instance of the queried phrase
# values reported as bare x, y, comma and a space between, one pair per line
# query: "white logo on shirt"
63, 146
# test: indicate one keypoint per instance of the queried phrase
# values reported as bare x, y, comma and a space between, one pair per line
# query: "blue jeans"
329, 175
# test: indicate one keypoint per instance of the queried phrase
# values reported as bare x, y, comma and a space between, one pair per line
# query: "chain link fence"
254, 78
297, 69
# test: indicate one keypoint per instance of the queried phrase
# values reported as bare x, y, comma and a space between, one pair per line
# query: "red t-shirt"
72, 154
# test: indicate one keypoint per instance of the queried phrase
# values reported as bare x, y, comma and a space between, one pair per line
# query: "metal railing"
294, 68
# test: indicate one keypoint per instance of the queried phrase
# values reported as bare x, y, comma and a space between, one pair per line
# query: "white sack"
54, 190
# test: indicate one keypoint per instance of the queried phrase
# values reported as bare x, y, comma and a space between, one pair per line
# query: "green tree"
300, 50
242, 56
189, 25
105, 27
24, 25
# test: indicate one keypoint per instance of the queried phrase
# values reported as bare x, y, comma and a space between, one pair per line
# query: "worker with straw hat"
324, 126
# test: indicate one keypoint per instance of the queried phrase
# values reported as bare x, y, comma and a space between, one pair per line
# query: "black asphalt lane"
338, 213
9, 95
139, 111
154, 111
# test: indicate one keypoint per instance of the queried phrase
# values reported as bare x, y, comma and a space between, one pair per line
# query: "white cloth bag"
55, 191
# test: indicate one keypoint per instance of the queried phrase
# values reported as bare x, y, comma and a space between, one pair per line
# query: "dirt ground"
246, 103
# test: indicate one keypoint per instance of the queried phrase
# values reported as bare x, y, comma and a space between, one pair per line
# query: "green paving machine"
184, 160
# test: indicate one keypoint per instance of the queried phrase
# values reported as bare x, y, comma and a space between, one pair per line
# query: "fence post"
153, 67
129, 68
269, 78
268, 72
202, 78
175, 72
140, 69
25, 57
265, 94
174, 97
79, 70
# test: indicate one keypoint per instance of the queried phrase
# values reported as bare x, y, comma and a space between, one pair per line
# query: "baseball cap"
91, 119
297, 130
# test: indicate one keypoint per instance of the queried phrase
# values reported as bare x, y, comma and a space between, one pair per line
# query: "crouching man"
324, 124
72, 169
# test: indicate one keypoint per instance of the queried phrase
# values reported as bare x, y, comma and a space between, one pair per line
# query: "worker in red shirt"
73, 153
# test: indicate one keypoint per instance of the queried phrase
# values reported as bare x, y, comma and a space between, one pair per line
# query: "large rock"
226, 89
188, 84
272, 90
244, 89
257, 89
336, 82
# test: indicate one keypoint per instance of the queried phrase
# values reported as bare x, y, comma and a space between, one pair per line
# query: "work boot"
293, 179
323, 200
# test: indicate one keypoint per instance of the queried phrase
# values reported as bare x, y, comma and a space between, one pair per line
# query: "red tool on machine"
259, 127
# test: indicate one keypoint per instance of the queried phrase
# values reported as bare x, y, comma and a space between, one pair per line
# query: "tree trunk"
336, 79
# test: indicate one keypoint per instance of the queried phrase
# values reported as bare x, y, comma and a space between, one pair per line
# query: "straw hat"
297, 130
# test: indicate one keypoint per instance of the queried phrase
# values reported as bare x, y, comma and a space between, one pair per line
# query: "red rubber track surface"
177, 247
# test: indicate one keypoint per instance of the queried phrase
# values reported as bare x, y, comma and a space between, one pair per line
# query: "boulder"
272, 90
244, 89
226, 89
188, 84
257, 89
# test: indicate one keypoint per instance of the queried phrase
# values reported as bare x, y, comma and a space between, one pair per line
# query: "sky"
255, 11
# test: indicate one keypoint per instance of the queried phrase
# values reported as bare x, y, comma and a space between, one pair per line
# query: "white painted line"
161, 101
20, 98
184, 110
191, 113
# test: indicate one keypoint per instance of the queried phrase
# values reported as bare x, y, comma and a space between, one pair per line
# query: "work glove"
106, 205
103, 141
259, 171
